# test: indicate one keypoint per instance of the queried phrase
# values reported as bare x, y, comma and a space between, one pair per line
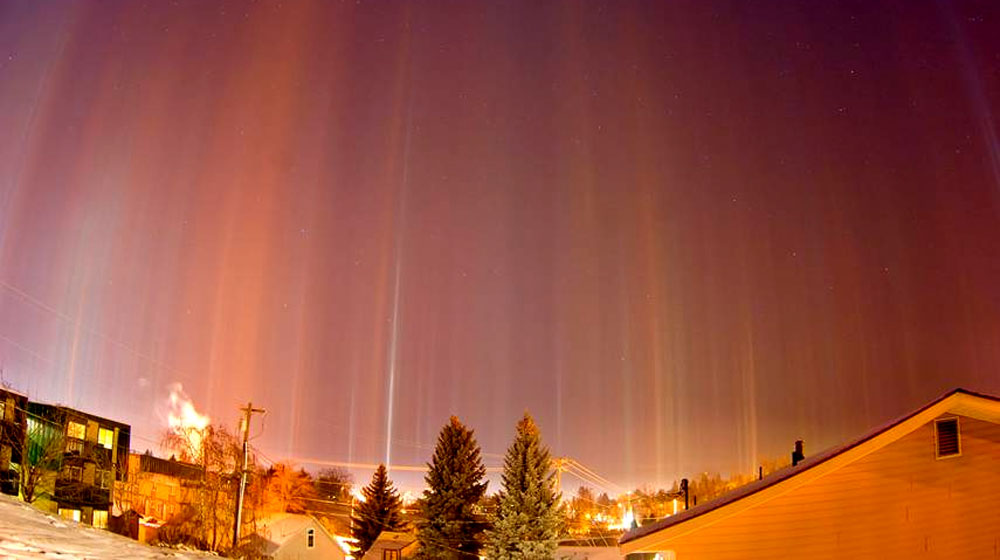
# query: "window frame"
937, 441
103, 516
390, 554
70, 425
73, 473
110, 436
69, 514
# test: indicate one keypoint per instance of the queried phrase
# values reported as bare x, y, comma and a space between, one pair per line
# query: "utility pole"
248, 411
559, 464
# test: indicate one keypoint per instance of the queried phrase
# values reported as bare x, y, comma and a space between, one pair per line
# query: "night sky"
681, 234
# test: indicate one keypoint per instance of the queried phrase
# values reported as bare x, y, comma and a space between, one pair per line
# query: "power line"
368, 466
607, 483
75, 321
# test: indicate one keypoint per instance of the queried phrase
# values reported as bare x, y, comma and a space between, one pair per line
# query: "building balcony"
87, 451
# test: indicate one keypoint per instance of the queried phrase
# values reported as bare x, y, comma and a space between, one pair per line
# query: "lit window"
100, 519
105, 438
390, 554
72, 473
70, 514
310, 538
76, 430
3, 410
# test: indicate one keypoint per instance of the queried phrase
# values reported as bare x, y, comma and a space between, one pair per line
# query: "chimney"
798, 455
684, 490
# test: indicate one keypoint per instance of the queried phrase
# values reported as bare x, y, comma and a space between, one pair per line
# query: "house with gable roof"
924, 486
292, 536
392, 545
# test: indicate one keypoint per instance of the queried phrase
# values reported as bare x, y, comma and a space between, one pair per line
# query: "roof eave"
961, 401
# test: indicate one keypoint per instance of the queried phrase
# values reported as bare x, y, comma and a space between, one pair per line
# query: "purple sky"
681, 234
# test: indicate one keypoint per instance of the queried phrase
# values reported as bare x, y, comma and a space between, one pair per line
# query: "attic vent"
946, 431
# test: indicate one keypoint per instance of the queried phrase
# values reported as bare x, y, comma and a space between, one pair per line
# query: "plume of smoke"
185, 425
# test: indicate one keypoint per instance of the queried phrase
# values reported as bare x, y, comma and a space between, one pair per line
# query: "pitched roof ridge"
789, 472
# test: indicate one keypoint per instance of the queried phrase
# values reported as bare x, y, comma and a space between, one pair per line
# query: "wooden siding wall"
296, 547
898, 502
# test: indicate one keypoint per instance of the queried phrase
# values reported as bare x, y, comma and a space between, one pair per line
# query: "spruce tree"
529, 519
380, 511
452, 530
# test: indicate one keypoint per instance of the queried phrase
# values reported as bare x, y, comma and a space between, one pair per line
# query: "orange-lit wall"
154, 495
898, 502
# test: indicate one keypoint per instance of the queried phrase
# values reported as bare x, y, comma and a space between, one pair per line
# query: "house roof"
170, 467
60, 412
279, 528
12, 391
587, 553
394, 540
959, 401
390, 540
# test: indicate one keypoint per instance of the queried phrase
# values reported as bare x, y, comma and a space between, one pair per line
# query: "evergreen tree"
380, 511
529, 521
451, 529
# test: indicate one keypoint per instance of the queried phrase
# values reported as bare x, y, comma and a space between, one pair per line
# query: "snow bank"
28, 533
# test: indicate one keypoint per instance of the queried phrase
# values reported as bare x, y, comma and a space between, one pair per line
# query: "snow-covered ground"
28, 533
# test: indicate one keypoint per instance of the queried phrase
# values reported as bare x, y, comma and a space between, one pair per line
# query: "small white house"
290, 536
924, 486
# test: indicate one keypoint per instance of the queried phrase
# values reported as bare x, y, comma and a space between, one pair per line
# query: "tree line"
525, 522
453, 519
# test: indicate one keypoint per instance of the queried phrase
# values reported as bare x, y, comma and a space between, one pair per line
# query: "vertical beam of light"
627, 376
350, 421
43, 97
247, 158
977, 98
394, 338
75, 348
393, 357
749, 394
400, 226
575, 284
745, 357
301, 328
649, 256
